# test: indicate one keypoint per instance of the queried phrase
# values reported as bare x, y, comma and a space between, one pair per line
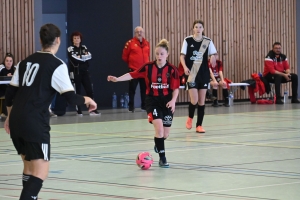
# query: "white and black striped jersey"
37, 77
78, 57
190, 48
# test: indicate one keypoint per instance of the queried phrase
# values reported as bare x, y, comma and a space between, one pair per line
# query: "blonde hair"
164, 44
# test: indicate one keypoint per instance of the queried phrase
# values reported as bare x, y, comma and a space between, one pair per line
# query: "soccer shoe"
163, 163
295, 101
278, 101
210, 96
155, 149
200, 129
189, 123
95, 112
52, 114
131, 109
79, 113
215, 104
226, 105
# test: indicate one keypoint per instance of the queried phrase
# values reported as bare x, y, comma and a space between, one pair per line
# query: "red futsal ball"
144, 160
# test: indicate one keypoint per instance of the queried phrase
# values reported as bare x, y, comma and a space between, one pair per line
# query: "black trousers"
132, 87
277, 80
84, 78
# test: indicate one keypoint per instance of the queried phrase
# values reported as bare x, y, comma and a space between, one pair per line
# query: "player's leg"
19, 145
159, 141
77, 81
38, 156
88, 87
193, 93
27, 171
143, 93
200, 111
132, 87
225, 95
215, 93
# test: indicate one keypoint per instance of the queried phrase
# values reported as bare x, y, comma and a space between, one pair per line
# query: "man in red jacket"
136, 53
277, 71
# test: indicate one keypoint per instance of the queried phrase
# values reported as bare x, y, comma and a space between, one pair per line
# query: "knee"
194, 101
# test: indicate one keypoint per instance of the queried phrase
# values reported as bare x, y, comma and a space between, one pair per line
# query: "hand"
186, 71
287, 77
9, 74
112, 78
90, 104
214, 84
223, 83
171, 104
6, 125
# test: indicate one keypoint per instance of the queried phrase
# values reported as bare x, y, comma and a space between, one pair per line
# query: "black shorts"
196, 85
32, 150
157, 109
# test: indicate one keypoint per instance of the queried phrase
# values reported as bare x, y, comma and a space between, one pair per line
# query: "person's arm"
126, 52
211, 53
171, 104
125, 77
9, 96
75, 99
61, 83
87, 55
185, 68
214, 81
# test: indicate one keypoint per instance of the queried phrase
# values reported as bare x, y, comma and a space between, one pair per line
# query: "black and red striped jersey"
159, 81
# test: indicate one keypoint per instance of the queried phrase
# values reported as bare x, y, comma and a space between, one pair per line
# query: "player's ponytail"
48, 34
164, 44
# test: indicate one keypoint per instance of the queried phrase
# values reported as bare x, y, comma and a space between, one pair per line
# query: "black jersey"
190, 48
4, 71
38, 77
78, 57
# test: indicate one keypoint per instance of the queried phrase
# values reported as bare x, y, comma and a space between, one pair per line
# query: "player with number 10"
31, 90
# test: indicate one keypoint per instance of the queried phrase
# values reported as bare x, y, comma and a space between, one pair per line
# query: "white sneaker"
52, 114
95, 113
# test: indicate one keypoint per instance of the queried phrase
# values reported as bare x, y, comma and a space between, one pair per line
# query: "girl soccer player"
162, 83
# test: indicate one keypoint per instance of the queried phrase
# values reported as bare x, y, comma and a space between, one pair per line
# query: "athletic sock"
160, 145
25, 178
200, 115
192, 109
32, 188
215, 93
225, 94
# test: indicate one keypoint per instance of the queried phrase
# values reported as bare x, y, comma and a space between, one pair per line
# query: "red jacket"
273, 63
136, 54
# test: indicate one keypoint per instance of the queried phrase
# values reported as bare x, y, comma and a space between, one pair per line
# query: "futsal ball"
144, 160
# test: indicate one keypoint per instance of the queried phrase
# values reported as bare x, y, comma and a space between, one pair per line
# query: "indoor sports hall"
248, 152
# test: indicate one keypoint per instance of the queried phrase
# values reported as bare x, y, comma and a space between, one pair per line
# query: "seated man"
217, 79
277, 71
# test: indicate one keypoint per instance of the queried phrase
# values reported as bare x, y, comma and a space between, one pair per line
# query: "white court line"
228, 190
193, 149
9, 197
223, 145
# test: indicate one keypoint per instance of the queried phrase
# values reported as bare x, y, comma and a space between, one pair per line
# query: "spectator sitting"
217, 79
277, 71
6, 69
